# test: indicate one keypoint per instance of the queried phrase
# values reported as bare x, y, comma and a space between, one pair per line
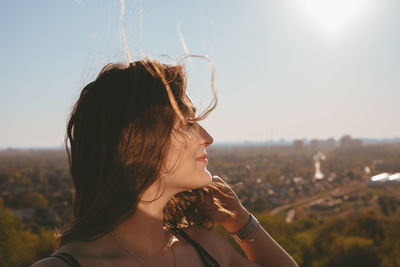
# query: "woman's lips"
203, 158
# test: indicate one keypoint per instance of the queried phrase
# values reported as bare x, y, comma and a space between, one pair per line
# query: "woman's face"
186, 161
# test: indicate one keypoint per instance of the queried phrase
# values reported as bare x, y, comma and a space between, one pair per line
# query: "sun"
333, 16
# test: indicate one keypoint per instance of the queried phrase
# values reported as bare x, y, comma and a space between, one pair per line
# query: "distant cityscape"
280, 142
324, 190
284, 142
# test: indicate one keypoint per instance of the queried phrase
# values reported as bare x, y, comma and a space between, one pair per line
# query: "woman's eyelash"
189, 124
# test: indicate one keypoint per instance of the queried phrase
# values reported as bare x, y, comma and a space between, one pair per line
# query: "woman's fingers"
225, 192
226, 204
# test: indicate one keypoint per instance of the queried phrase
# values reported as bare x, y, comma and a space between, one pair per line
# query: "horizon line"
271, 142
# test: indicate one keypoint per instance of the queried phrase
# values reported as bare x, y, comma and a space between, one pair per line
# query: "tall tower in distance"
317, 161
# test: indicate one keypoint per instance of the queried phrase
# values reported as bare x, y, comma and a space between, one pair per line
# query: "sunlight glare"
333, 15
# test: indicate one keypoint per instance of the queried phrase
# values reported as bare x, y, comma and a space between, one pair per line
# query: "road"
304, 202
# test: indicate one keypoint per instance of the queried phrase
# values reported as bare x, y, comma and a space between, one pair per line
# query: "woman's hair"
119, 132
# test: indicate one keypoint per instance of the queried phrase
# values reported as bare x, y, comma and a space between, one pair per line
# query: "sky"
283, 69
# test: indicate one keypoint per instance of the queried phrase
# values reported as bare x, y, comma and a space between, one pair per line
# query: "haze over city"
282, 70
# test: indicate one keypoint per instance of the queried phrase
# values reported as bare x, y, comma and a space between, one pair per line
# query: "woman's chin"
208, 178
196, 180
204, 180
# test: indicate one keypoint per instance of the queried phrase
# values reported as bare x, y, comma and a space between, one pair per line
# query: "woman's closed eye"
190, 124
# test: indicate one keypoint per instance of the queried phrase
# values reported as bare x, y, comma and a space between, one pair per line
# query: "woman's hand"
229, 212
233, 216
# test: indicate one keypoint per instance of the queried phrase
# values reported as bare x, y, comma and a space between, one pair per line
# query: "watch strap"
249, 228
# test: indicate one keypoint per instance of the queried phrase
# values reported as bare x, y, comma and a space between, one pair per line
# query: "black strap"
67, 258
205, 256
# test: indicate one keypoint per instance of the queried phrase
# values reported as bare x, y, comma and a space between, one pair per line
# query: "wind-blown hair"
119, 132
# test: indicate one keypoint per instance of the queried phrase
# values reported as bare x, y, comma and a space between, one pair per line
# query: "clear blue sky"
283, 70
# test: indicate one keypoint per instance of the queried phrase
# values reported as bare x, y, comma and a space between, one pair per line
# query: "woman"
142, 193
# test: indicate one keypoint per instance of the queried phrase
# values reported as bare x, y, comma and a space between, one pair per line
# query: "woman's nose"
206, 138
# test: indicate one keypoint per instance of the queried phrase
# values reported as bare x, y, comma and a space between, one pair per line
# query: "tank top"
67, 258
208, 260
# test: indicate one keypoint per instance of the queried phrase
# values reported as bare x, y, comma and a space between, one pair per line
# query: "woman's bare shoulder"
70, 248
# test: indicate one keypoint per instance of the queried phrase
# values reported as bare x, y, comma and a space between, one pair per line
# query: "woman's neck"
143, 232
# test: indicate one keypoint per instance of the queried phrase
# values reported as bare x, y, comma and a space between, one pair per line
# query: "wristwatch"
243, 235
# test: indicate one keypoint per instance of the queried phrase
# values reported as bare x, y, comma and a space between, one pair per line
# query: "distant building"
329, 144
346, 142
318, 174
314, 145
298, 145
385, 179
394, 177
